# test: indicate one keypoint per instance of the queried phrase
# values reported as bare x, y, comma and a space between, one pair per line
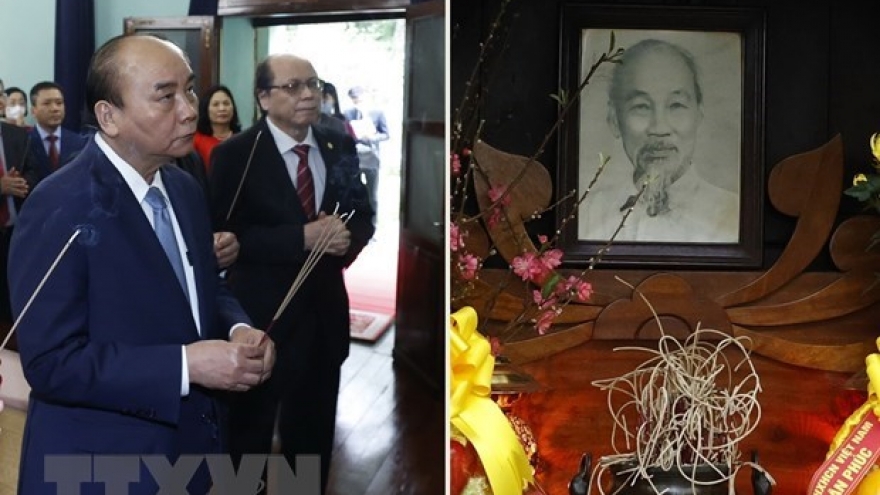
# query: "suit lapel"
274, 171
37, 146
113, 196
186, 221
331, 157
69, 146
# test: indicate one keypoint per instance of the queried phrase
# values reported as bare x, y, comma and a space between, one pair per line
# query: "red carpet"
372, 290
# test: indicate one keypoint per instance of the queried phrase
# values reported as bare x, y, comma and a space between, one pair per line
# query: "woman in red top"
218, 119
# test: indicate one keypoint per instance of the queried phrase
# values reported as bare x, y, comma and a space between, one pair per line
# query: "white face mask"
14, 111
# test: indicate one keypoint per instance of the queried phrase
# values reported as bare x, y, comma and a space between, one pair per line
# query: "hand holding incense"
325, 239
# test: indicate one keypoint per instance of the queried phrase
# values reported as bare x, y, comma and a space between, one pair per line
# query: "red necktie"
305, 186
53, 151
4, 201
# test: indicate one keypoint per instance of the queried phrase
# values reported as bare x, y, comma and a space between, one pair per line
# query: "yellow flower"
859, 178
875, 146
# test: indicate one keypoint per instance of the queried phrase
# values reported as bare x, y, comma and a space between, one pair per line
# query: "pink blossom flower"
526, 266
575, 287
584, 290
455, 164
496, 346
542, 239
552, 258
495, 215
468, 265
544, 321
542, 302
494, 218
455, 240
537, 297
496, 192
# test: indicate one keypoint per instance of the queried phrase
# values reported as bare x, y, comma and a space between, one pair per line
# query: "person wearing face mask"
16, 107
330, 115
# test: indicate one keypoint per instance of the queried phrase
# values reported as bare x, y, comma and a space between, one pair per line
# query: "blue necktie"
165, 232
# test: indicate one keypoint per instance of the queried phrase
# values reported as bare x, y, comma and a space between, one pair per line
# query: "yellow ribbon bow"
872, 368
476, 415
875, 148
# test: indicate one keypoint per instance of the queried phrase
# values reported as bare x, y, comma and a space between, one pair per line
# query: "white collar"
283, 140
135, 181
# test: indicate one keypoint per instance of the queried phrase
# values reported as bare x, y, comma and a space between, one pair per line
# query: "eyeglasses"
296, 87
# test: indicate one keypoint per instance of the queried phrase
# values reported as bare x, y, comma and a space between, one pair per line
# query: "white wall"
27, 42
110, 14
237, 39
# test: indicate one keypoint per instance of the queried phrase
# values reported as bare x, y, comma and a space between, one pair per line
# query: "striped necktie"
305, 186
53, 150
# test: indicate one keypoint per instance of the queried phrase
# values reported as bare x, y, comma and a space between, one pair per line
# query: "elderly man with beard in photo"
656, 107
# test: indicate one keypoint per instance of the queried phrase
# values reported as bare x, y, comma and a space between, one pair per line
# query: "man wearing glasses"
287, 188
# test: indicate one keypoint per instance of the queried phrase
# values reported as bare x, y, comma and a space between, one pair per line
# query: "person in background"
330, 115
16, 107
17, 178
279, 202
132, 343
51, 144
370, 129
225, 243
218, 120
2, 101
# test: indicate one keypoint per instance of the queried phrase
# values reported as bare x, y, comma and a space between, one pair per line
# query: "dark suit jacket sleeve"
345, 184
62, 362
30, 171
18, 155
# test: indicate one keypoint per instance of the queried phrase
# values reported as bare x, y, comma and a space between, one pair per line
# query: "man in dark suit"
51, 144
17, 177
225, 243
279, 197
131, 339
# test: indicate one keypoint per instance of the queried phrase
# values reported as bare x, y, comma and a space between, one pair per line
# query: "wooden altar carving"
822, 320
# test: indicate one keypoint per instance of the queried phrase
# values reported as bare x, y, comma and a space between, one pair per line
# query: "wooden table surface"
802, 409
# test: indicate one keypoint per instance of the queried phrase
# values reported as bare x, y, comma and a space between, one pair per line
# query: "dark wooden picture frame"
727, 48
197, 36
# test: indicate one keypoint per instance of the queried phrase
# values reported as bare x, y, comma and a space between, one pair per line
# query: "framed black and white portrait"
665, 143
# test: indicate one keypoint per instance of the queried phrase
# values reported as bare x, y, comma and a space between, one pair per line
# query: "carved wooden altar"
820, 320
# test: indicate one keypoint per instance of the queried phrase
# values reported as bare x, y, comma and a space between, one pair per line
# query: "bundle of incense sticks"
325, 238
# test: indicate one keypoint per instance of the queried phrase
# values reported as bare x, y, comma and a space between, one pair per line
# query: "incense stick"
39, 287
247, 167
314, 256
324, 240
